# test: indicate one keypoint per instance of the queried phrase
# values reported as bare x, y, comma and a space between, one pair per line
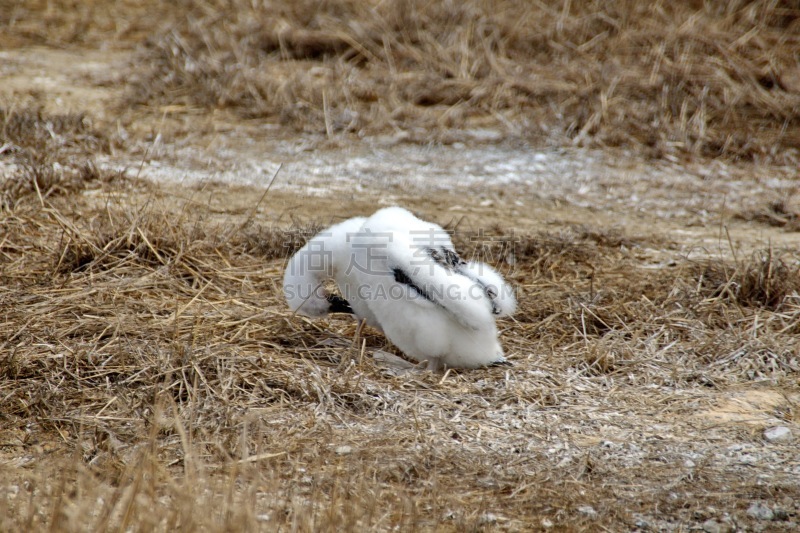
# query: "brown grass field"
153, 379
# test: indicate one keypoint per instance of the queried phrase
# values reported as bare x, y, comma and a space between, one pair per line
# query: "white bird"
326, 256
403, 276
431, 304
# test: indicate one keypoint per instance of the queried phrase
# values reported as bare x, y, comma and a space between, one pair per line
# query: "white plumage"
403, 275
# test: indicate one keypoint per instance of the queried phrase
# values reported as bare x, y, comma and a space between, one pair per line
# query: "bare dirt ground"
151, 377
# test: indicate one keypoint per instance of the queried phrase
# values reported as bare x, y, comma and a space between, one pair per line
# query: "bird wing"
432, 278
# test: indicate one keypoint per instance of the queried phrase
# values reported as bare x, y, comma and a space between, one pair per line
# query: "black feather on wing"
446, 257
490, 292
400, 276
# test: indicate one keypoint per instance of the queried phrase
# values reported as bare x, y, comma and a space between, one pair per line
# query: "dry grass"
763, 281
54, 154
783, 213
702, 78
74, 23
152, 378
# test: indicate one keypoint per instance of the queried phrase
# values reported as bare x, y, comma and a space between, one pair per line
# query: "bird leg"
434, 364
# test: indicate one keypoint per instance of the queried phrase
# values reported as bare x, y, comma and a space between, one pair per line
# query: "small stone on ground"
760, 511
778, 434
